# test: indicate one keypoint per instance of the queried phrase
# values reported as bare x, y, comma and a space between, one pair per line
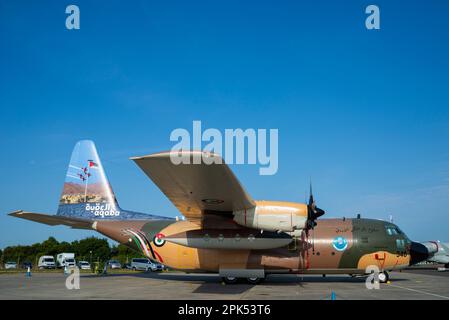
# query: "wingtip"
15, 213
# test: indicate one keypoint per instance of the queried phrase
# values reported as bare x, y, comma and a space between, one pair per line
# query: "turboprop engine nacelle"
273, 216
431, 246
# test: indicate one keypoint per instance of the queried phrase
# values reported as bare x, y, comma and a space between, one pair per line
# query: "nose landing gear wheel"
383, 277
230, 280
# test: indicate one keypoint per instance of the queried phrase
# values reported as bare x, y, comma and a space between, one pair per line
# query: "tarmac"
421, 283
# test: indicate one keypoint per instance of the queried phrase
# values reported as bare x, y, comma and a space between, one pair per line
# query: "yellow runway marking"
419, 291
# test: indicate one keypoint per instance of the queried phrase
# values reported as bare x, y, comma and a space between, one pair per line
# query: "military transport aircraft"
225, 231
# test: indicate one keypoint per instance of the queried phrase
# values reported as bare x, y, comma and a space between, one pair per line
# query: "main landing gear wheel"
383, 277
254, 280
230, 280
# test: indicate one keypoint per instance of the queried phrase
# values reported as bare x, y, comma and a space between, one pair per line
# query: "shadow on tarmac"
276, 280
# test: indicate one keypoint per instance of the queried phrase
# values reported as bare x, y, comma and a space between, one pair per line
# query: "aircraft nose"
418, 253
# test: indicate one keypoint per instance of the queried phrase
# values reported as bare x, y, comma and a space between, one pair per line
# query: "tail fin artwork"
87, 195
87, 192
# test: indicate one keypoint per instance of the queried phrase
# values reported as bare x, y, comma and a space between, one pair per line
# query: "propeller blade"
311, 200
313, 212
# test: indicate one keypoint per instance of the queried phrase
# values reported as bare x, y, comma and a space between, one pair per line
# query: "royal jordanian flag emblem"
92, 164
143, 244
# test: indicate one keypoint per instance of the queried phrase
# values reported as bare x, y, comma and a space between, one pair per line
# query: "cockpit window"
400, 244
393, 231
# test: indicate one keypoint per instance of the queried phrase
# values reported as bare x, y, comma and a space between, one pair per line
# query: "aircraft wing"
196, 189
53, 220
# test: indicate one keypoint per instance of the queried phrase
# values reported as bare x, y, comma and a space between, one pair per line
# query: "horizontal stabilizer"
53, 220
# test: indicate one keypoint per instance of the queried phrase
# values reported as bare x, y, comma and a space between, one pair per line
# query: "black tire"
230, 280
133, 268
383, 277
254, 280
446, 265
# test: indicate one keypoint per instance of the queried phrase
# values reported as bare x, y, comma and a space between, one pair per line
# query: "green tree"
99, 247
124, 254
49, 247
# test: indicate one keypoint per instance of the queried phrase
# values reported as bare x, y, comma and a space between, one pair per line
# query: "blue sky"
364, 113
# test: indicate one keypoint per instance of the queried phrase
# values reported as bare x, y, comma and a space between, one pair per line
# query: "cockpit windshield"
393, 231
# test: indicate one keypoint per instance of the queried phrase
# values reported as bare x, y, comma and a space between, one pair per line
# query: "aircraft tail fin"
87, 193
86, 196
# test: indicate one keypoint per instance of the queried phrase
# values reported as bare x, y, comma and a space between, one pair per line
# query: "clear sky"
365, 113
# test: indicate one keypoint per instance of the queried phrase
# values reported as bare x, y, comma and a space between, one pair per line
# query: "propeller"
313, 212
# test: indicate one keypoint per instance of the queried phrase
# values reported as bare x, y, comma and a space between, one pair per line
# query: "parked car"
84, 265
114, 264
145, 264
46, 262
10, 265
158, 266
127, 266
26, 265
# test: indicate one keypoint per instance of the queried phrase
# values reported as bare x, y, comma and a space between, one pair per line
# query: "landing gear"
254, 280
230, 280
383, 277
250, 280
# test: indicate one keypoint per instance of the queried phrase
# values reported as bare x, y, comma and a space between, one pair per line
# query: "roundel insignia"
340, 243
159, 240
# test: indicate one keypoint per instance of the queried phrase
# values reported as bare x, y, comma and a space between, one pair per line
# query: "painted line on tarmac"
419, 291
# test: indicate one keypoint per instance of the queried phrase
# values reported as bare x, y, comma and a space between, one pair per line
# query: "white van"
65, 259
46, 262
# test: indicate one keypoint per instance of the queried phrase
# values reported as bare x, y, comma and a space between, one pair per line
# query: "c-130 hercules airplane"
225, 230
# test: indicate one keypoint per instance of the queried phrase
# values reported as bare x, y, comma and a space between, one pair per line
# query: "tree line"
91, 249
